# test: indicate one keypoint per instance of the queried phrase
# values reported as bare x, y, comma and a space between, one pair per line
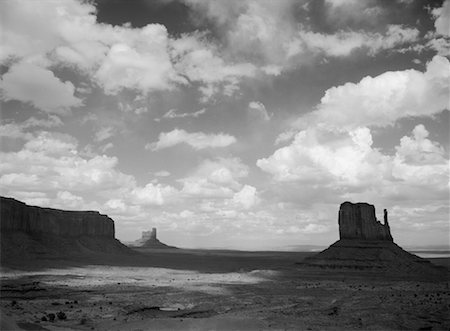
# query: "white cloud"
144, 59
440, 38
152, 194
199, 61
259, 109
38, 86
197, 140
342, 13
442, 15
420, 161
246, 197
104, 133
173, 113
19, 130
285, 136
162, 173
215, 178
106, 147
127, 108
268, 33
51, 162
440, 45
342, 43
145, 66
35, 28
316, 156
345, 165
218, 178
383, 99
65, 199
50, 171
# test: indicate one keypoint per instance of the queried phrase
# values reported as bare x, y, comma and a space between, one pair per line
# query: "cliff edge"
31, 232
18, 216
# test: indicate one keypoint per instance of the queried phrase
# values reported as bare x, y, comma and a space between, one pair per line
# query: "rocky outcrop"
17, 216
358, 221
366, 244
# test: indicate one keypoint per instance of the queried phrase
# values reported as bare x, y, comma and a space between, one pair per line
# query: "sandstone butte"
149, 240
367, 244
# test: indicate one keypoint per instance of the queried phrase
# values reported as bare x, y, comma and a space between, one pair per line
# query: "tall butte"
366, 243
149, 240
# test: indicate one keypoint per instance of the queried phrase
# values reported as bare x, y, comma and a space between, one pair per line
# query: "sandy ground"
221, 290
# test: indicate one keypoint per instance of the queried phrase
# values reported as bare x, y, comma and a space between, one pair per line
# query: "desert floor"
216, 290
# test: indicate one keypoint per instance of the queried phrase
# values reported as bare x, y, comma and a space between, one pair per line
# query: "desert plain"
181, 289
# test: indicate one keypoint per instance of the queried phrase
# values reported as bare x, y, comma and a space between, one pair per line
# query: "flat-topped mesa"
358, 221
16, 216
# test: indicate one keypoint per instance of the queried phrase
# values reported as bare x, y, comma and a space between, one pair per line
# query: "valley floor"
220, 290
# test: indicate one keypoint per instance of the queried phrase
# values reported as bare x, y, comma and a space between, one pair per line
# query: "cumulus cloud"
347, 162
383, 99
197, 140
215, 178
440, 38
144, 59
258, 109
318, 156
38, 86
52, 162
419, 160
153, 194
145, 66
32, 29
246, 197
50, 168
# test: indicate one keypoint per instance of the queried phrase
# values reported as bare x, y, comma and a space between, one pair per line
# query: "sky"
237, 124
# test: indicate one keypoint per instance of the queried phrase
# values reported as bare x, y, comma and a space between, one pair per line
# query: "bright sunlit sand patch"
92, 276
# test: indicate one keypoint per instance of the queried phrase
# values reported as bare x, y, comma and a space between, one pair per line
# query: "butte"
367, 244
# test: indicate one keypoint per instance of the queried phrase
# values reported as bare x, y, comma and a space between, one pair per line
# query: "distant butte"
149, 240
366, 243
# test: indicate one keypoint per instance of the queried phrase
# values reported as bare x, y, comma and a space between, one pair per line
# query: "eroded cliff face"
16, 216
358, 221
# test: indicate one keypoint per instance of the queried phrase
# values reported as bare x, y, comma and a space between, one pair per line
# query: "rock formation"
149, 240
30, 232
358, 221
365, 243
17, 216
